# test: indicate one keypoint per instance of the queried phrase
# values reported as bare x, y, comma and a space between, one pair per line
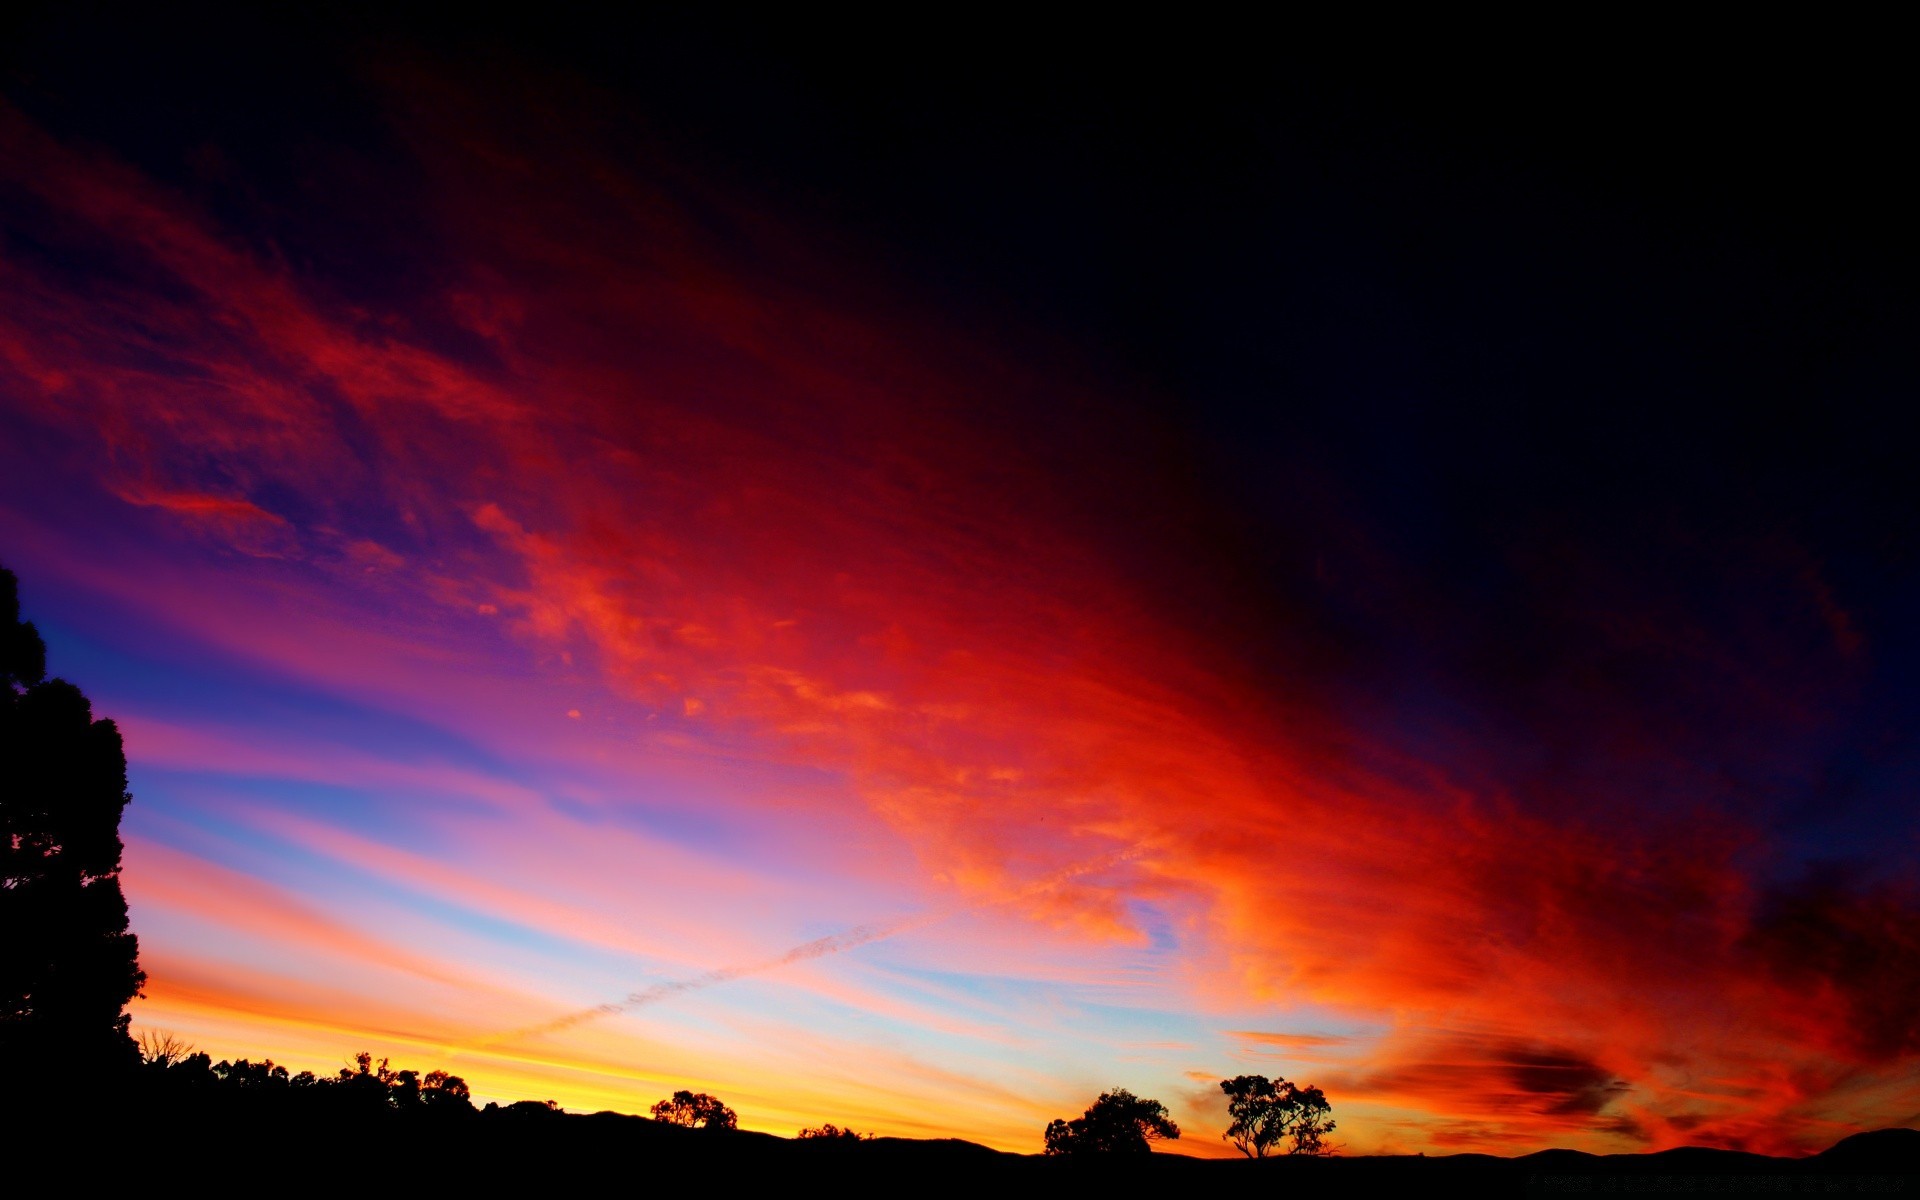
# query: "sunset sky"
1011, 567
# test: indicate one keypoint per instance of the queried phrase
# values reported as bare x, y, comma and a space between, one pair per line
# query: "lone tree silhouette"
695, 1110
1119, 1122
1267, 1113
68, 965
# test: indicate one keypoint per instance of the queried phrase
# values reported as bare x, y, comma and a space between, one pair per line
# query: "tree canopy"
68, 964
1119, 1122
367, 1085
834, 1133
695, 1110
1270, 1113
830, 1132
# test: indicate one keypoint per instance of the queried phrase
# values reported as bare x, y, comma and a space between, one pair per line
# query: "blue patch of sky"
123, 662
382, 817
158, 675
689, 814
665, 810
1152, 920
342, 889
994, 996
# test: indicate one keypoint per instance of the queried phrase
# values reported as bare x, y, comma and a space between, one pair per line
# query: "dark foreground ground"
234, 1147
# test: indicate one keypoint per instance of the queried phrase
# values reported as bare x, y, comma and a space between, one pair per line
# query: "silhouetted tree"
366, 1083
195, 1070
1313, 1124
374, 1084
68, 965
830, 1132
695, 1110
1267, 1113
251, 1075
1119, 1122
441, 1092
404, 1092
160, 1050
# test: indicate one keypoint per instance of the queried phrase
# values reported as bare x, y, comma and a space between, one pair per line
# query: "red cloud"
833, 541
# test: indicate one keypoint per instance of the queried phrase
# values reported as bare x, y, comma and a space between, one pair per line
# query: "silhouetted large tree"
68, 965
1119, 1122
696, 1110
1266, 1113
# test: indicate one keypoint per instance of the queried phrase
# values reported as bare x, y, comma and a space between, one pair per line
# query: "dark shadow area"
256, 1121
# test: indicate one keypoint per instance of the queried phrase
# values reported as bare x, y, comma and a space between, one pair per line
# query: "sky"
909, 589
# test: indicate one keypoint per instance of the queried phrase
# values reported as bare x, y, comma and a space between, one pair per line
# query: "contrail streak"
859, 935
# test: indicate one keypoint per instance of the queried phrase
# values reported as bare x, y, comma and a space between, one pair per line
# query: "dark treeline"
371, 1117
253, 1121
172, 1072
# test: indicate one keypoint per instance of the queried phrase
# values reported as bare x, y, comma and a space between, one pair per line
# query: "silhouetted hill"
288, 1140
1888, 1150
1682, 1160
